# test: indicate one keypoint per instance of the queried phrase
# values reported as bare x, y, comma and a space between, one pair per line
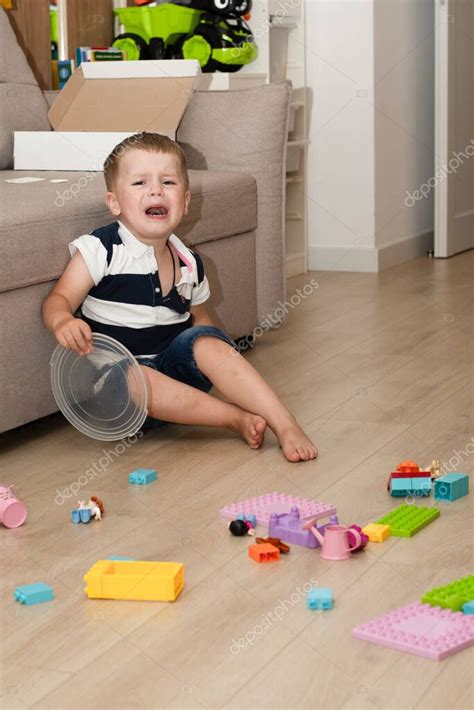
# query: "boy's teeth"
159, 211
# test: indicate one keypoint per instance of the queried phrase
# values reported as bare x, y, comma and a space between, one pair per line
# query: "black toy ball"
238, 528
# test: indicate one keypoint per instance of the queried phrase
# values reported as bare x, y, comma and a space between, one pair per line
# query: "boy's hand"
75, 334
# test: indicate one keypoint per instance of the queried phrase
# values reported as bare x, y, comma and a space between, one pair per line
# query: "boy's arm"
59, 307
200, 315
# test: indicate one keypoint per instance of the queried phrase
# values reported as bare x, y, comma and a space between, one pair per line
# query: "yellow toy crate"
144, 581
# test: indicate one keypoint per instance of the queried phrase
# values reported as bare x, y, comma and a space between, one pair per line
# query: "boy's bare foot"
251, 427
296, 446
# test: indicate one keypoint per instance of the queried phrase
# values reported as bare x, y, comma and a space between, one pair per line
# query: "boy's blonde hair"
151, 142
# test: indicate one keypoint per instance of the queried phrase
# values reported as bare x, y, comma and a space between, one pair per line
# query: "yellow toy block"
376, 532
139, 581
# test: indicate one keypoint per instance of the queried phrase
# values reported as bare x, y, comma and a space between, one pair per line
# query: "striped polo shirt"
126, 301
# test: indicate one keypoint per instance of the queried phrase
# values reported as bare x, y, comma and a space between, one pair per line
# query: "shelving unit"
279, 30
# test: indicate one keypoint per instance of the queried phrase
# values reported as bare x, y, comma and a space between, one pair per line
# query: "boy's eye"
168, 182
138, 182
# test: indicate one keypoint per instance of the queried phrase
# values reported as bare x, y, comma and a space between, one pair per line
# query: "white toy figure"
435, 469
95, 505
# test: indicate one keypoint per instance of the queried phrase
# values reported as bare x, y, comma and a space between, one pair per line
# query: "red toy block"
264, 552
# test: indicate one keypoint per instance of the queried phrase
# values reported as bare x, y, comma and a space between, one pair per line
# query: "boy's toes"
253, 429
291, 453
296, 446
304, 454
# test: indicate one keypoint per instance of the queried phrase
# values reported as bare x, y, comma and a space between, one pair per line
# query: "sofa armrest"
247, 131
50, 96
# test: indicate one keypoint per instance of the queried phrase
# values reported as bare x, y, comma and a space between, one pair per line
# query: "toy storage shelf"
279, 31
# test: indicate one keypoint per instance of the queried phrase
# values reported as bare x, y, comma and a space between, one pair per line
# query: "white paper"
25, 179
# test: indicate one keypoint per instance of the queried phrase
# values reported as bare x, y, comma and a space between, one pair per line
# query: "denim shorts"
177, 361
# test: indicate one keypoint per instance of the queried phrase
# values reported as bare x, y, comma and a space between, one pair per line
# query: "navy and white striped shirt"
126, 301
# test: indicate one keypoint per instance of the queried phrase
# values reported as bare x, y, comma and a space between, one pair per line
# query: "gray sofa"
235, 146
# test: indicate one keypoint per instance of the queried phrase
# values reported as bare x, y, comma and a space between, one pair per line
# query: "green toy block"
451, 596
406, 520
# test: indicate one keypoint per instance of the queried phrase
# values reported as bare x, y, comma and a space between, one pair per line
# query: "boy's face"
149, 194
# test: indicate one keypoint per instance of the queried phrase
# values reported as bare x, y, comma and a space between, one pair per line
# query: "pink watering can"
335, 543
13, 512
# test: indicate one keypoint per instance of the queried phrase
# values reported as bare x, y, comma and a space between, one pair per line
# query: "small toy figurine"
95, 505
242, 526
435, 469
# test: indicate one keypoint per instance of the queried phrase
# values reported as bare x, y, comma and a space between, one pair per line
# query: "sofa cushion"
41, 218
247, 131
22, 108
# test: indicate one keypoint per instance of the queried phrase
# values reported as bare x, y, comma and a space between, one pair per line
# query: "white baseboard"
326, 258
405, 250
323, 258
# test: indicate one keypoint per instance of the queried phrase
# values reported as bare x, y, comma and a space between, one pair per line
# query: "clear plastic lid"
103, 394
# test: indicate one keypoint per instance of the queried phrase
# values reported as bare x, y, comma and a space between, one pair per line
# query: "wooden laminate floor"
378, 368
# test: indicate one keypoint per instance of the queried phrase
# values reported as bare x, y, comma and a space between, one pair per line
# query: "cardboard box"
230, 81
126, 96
103, 103
64, 150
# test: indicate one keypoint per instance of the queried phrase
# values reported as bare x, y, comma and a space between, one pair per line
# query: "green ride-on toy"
211, 31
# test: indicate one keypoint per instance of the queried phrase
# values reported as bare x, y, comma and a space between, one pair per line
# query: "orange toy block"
408, 467
377, 532
264, 552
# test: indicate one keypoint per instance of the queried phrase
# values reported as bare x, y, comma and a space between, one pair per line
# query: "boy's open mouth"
157, 212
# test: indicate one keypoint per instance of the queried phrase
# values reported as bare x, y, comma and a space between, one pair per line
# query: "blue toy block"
451, 486
400, 486
142, 476
468, 607
119, 558
319, 598
33, 593
421, 486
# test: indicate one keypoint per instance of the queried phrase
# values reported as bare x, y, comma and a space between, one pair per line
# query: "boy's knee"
209, 342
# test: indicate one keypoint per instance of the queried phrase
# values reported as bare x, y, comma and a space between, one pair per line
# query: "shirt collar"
136, 247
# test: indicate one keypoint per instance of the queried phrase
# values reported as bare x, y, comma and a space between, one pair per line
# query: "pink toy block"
263, 506
421, 629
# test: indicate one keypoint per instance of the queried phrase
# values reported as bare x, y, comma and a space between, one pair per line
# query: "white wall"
370, 76
404, 119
